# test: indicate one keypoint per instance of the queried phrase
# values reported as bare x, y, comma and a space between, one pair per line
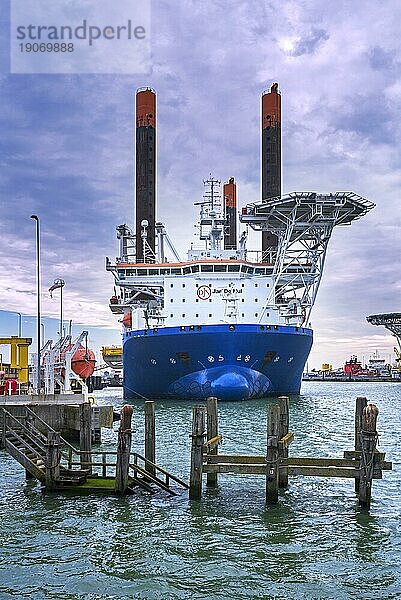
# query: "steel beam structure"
303, 223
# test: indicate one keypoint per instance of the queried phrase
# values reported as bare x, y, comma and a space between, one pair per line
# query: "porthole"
173, 361
290, 359
247, 358
210, 359
276, 359
153, 361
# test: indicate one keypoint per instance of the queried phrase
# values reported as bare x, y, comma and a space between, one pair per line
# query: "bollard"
123, 450
272, 455
212, 431
198, 437
150, 436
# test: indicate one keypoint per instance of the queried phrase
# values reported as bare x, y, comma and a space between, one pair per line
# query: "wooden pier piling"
198, 438
368, 443
52, 461
150, 436
282, 446
272, 455
85, 435
212, 432
360, 404
123, 450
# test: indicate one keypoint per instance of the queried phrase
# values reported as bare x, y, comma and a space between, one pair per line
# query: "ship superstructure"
226, 320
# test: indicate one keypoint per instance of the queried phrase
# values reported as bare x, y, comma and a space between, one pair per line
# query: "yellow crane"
18, 355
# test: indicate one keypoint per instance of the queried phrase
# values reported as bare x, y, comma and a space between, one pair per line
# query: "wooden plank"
235, 468
324, 471
320, 462
212, 444
287, 439
357, 454
231, 458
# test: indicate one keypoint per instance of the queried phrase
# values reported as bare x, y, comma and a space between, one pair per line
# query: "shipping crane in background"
392, 322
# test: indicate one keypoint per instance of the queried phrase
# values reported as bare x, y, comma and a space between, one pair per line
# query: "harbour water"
315, 544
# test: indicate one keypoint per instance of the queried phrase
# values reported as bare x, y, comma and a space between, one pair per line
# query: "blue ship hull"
232, 362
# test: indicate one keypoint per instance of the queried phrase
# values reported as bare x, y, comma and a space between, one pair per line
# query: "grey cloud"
309, 43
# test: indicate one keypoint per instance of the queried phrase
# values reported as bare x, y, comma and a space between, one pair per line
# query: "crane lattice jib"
303, 223
391, 321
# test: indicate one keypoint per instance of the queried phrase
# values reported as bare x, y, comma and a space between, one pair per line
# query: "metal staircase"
28, 445
49, 458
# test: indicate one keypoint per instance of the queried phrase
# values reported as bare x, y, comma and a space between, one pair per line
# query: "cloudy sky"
67, 148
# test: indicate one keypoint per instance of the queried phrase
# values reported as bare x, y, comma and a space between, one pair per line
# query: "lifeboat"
83, 362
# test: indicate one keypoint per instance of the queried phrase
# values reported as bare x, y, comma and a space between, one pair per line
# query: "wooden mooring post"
272, 455
52, 462
212, 433
360, 404
150, 436
282, 445
123, 450
368, 444
363, 464
85, 436
198, 437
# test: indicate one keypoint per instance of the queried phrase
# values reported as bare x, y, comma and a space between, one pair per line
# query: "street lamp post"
19, 324
59, 284
36, 219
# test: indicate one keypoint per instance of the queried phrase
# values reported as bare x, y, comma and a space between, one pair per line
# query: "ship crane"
303, 223
392, 322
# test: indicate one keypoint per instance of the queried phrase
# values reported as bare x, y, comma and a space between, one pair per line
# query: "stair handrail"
49, 428
158, 468
26, 444
14, 418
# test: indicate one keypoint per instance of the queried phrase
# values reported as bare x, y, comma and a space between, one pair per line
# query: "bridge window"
186, 270
220, 268
233, 268
207, 268
176, 271
195, 268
